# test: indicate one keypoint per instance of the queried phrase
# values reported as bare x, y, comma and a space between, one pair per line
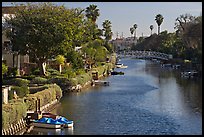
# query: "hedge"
46, 96
63, 82
38, 80
16, 82
20, 91
13, 112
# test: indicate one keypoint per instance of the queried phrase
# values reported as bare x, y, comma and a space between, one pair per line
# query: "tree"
92, 12
135, 27
60, 60
4, 69
43, 31
107, 33
132, 30
159, 19
151, 28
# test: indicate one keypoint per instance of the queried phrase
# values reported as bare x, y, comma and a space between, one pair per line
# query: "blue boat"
47, 122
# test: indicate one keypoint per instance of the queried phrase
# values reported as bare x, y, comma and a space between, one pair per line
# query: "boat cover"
60, 120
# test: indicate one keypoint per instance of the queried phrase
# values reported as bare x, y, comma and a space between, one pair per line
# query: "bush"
38, 80
4, 69
13, 112
20, 91
82, 79
35, 71
46, 96
64, 83
33, 90
80, 71
12, 72
69, 72
16, 82
10, 95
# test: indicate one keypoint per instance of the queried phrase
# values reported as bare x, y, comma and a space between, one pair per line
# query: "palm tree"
132, 30
107, 33
151, 27
159, 19
107, 29
92, 12
135, 27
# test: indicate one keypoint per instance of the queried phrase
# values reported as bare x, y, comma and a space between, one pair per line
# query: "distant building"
123, 43
10, 58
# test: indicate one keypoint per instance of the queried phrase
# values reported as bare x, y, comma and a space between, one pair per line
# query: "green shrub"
16, 82
35, 71
10, 94
20, 91
64, 83
69, 72
80, 71
12, 72
46, 96
33, 90
4, 69
13, 112
57, 89
38, 80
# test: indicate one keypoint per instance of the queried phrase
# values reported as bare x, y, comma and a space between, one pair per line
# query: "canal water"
147, 100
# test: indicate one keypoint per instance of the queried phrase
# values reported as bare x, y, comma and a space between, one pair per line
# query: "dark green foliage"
20, 91
16, 82
12, 72
46, 96
37, 89
64, 83
4, 69
38, 80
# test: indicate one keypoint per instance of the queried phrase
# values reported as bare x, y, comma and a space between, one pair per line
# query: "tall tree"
135, 27
107, 33
43, 31
151, 28
159, 19
132, 31
92, 12
107, 30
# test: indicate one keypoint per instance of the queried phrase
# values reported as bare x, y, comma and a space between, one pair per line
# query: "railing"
146, 54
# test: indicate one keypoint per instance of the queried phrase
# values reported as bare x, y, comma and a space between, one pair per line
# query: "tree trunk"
60, 68
158, 30
42, 67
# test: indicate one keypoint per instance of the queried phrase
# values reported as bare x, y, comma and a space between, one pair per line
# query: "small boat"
101, 82
117, 73
123, 66
47, 122
119, 65
190, 73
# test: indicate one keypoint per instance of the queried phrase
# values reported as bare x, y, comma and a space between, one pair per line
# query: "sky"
124, 15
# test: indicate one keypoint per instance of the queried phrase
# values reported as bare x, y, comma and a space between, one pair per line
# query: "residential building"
123, 43
9, 57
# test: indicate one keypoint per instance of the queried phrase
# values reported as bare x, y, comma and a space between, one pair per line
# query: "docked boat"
47, 122
117, 73
101, 82
123, 66
119, 65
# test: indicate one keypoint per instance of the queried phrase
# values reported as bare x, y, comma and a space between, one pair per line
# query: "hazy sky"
124, 15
